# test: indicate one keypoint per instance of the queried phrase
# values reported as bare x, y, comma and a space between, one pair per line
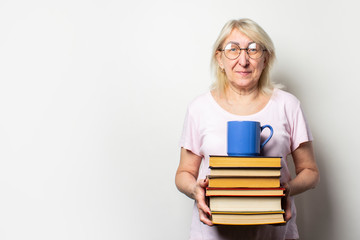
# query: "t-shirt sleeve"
300, 131
190, 138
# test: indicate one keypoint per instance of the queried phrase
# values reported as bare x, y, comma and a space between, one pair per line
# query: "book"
245, 204
244, 191
242, 182
248, 218
239, 161
245, 172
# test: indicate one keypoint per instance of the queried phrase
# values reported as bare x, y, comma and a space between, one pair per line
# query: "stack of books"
245, 190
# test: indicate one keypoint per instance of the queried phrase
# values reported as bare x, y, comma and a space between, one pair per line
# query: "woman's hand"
286, 202
199, 194
186, 182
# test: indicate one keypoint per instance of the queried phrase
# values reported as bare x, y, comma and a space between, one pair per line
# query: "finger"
204, 210
204, 207
287, 215
205, 218
204, 183
201, 198
200, 193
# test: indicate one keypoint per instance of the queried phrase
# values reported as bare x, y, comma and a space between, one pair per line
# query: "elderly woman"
241, 60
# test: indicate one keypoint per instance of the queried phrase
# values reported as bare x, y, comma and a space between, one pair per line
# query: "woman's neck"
241, 102
242, 96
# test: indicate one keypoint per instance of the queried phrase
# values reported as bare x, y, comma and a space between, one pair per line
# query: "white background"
93, 96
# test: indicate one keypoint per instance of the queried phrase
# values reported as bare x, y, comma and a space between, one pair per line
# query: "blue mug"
243, 138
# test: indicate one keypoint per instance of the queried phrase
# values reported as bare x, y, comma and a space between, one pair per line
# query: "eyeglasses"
232, 50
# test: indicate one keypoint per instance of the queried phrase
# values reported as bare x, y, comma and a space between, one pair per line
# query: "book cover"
239, 161
242, 182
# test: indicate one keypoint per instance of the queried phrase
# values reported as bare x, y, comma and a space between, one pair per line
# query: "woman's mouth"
244, 73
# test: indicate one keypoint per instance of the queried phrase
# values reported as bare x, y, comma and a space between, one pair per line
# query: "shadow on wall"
315, 207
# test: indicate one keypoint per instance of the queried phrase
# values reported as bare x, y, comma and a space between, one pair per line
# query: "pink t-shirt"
205, 133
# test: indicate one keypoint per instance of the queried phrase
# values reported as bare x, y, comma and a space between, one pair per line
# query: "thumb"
204, 183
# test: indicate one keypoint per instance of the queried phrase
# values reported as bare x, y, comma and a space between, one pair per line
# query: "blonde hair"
252, 30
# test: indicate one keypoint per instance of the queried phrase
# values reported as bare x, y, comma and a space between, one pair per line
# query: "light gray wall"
93, 96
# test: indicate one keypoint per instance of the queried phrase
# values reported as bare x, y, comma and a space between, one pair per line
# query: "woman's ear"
218, 59
266, 58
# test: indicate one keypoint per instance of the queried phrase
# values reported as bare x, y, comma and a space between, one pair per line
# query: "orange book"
245, 182
239, 161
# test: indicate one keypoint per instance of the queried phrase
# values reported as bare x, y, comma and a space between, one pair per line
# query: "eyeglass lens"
232, 50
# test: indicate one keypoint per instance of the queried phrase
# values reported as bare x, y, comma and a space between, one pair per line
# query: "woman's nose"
243, 58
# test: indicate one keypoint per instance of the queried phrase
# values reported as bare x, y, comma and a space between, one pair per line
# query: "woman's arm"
186, 182
307, 173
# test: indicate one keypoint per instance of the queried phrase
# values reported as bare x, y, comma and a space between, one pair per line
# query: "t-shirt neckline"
216, 104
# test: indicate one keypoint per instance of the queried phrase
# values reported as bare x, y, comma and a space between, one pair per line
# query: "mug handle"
271, 133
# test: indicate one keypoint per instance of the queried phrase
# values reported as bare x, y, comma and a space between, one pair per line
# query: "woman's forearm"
186, 183
187, 173
307, 172
305, 180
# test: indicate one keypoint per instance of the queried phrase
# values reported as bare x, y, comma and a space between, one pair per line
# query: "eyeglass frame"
247, 49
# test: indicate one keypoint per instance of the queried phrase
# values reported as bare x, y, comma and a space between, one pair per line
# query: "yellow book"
238, 161
244, 182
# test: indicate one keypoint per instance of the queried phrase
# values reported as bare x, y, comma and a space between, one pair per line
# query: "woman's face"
242, 72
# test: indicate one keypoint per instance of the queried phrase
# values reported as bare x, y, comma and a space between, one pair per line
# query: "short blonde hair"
252, 30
